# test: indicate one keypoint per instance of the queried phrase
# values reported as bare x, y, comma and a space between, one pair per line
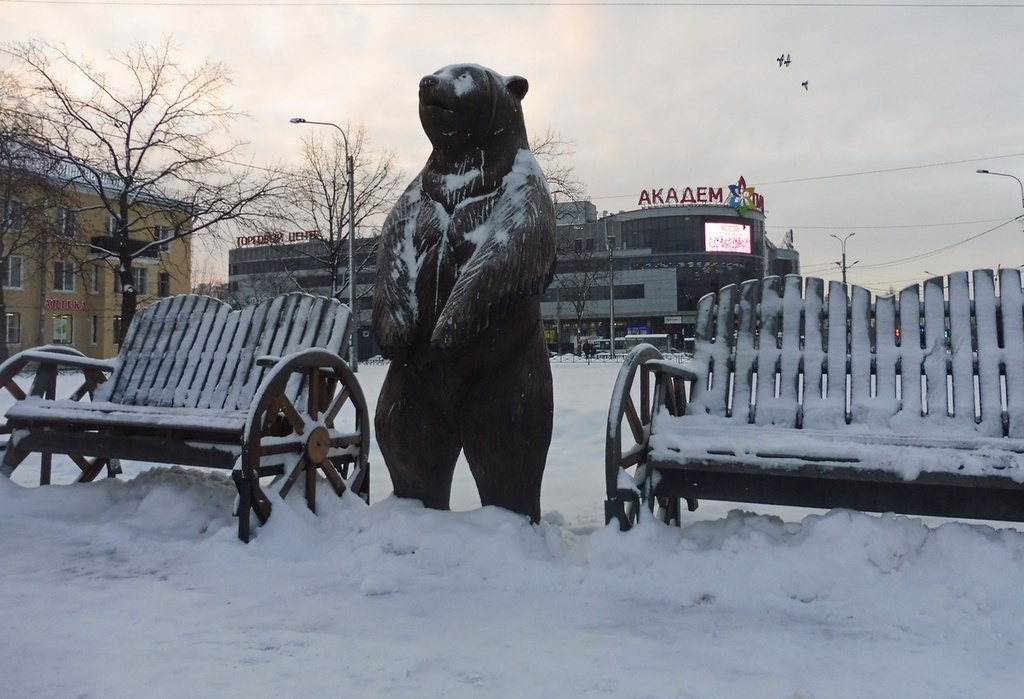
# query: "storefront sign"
673, 320
65, 305
249, 241
738, 196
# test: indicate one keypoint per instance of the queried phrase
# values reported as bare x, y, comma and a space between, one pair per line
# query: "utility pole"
842, 264
611, 290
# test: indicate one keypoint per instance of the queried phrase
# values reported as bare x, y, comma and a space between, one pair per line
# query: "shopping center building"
646, 269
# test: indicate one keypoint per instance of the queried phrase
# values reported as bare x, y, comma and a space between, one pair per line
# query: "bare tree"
150, 139
552, 152
30, 188
316, 203
582, 268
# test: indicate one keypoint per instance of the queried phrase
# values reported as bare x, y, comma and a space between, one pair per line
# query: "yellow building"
62, 289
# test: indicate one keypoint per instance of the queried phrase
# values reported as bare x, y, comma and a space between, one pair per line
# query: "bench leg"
623, 508
250, 499
244, 505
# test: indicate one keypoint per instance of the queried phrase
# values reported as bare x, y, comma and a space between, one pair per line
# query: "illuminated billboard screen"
726, 237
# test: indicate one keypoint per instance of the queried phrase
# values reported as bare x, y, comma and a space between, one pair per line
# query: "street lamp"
353, 355
1003, 174
842, 264
611, 290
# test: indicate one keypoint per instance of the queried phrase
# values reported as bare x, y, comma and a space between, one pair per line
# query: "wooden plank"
990, 355
199, 356
962, 346
171, 335
936, 352
838, 356
745, 354
134, 354
769, 353
861, 354
911, 355
720, 353
225, 357
884, 402
192, 333
257, 342
816, 410
207, 358
791, 363
704, 338
1011, 301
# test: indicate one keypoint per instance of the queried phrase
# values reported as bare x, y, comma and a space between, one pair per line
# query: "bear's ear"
517, 86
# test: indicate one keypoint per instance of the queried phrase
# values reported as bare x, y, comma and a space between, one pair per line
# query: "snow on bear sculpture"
464, 258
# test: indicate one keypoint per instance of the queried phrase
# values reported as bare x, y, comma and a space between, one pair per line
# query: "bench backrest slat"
1012, 306
911, 356
962, 346
194, 352
779, 351
990, 354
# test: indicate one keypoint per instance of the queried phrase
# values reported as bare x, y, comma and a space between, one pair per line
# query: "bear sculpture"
464, 257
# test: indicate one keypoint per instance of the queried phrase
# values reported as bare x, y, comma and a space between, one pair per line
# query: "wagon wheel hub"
318, 445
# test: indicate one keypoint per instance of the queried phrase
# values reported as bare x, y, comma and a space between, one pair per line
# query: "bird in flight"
784, 60
804, 83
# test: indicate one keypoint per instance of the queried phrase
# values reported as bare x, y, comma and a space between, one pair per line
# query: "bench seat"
906, 456
75, 414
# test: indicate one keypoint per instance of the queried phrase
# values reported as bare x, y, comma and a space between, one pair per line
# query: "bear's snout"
429, 81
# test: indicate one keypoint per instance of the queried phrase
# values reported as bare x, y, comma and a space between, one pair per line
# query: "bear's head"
467, 105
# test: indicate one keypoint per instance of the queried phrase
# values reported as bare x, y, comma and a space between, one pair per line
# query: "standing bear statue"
464, 258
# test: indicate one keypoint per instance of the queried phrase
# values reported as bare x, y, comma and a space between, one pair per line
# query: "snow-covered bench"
911, 403
263, 391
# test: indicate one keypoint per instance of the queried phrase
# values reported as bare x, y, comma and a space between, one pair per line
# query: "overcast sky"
903, 103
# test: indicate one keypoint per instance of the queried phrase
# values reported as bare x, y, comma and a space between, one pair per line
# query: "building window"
140, 279
95, 274
65, 222
94, 330
63, 276
14, 215
12, 328
111, 225
13, 272
63, 327
164, 284
117, 330
163, 233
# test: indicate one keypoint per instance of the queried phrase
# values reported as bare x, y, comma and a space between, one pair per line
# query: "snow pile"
140, 587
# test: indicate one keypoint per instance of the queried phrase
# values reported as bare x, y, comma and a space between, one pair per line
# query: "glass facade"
656, 264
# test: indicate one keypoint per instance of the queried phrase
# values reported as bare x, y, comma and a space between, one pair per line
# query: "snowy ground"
140, 588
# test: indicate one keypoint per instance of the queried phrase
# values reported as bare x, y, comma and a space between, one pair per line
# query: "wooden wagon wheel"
309, 418
50, 359
627, 479
625, 466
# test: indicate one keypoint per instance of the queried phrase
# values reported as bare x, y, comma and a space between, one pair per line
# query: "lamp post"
1003, 174
353, 354
842, 264
611, 291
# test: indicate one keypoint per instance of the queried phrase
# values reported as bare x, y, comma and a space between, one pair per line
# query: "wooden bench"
262, 391
911, 403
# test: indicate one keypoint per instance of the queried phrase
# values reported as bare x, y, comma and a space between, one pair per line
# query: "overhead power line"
924, 255
553, 3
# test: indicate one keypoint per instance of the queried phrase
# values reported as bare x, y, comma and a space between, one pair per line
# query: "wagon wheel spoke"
292, 477
281, 406
336, 405
333, 477
636, 426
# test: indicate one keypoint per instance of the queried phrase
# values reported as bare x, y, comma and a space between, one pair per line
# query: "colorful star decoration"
741, 197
